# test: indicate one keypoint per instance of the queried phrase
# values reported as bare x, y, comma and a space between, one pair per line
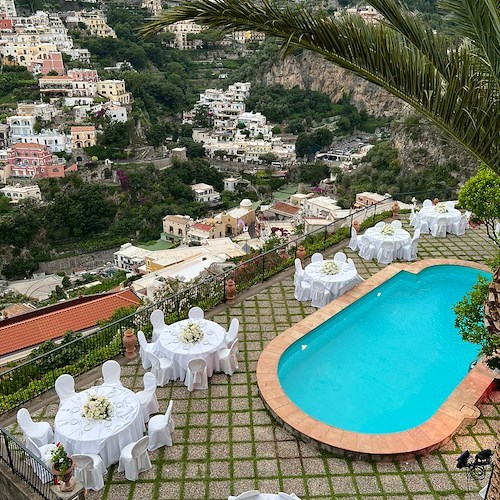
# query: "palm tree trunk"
494, 489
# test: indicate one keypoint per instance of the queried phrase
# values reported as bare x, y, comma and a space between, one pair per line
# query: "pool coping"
457, 409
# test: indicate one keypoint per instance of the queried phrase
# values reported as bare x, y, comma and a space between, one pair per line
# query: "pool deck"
459, 407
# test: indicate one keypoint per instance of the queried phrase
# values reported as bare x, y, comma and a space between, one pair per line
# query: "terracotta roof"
15, 310
83, 129
201, 226
286, 208
29, 145
56, 78
52, 322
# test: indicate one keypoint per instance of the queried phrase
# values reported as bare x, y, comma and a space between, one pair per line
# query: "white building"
181, 30
230, 183
18, 192
321, 206
130, 257
8, 7
204, 193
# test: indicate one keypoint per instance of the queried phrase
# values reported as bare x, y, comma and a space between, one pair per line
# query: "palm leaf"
455, 85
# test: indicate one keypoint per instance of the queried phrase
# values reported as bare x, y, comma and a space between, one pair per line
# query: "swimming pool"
387, 362
397, 381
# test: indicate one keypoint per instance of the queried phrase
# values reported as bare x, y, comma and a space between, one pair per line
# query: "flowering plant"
330, 268
60, 459
388, 230
441, 208
97, 408
191, 333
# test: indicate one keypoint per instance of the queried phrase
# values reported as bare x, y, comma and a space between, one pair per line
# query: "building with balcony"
33, 160
181, 31
114, 90
84, 136
17, 192
175, 227
204, 193
56, 86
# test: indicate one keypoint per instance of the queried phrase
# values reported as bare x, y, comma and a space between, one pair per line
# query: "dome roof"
246, 203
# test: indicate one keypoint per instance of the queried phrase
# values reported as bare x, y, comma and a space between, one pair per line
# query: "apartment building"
181, 30
83, 136
17, 192
30, 160
114, 90
205, 193
175, 227
56, 86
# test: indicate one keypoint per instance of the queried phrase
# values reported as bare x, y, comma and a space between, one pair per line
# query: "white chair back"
84, 462
24, 420
350, 263
247, 495
340, 257
317, 257
168, 412
139, 447
450, 205
149, 381
111, 372
438, 230
396, 224
298, 266
427, 203
353, 242
143, 343
412, 216
232, 333
157, 319
196, 365
379, 224
386, 253
65, 387
33, 447
366, 249
196, 313
196, 375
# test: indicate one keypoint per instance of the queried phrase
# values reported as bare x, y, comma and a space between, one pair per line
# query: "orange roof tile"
286, 208
83, 128
201, 226
52, 322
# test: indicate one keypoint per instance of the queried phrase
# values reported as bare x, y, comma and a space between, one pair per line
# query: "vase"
435, 201
395, 209
356, 226
129, 342
230, 291
67, 481
301, 253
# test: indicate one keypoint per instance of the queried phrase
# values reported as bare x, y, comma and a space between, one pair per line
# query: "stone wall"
11, 486
87, 261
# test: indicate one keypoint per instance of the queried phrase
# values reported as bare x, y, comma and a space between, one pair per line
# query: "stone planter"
301, 253
395, 210
230, 291
129, 342
66, 481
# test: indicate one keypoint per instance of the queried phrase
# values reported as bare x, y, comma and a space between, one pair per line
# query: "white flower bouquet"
388, 230
97, 408
441, 208
191, 333
330, 268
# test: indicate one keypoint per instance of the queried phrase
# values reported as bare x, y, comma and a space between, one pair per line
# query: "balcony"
225, 441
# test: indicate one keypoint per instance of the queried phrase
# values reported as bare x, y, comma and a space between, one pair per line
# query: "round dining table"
105, 438
400, 238
171, 346
430, 215
334, 283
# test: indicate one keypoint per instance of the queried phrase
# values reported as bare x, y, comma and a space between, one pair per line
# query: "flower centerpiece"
62, 466
191, 333
330, 268
441, 208
97, 408
388, 230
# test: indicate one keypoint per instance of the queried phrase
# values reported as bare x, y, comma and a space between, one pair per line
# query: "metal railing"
25, 465
31, 378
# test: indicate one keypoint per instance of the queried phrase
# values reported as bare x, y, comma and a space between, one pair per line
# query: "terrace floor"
226, 442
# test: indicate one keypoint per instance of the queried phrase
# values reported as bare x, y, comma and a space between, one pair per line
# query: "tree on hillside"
452, 80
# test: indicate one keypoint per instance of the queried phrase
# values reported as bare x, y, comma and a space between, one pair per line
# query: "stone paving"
225, 441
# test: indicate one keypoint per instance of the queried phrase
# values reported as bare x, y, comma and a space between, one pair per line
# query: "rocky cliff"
310, 71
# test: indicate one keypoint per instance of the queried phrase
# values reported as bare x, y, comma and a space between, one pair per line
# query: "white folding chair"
160, 429
316, 257
134, 459
196, 313
303, 291
232, 333
90, 470
196, 375
320, 296
409, 252
367, 249
386, 253
353, 242
396, 224
157, 319
147, 398
458, 227
379, 224
350, 264
421, 224
427, 203
43, 473
65, 387
144, 348
412, 216
340, 257
162, 369
228, 358
450, 205
111, 372
246, 495
299, 272
438, 229
39, 432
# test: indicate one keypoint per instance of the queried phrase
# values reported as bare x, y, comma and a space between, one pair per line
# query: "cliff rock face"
310, 71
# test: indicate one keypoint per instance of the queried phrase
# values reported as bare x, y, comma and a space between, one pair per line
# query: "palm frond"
448, 83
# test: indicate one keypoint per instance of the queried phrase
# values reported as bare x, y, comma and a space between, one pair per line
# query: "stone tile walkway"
225, 442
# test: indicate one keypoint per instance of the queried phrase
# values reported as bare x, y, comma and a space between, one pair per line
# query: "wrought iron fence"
25, 465
38, 375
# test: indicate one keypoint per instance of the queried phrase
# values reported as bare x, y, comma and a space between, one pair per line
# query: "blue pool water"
387, 362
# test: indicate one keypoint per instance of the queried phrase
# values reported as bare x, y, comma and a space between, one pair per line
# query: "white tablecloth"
431, 216
103, 437
334, 283
171, 347
400, 238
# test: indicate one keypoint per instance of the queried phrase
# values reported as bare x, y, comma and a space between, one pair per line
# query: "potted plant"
62, 467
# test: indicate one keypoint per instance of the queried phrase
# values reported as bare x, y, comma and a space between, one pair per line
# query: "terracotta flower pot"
230, 291
129, 341
67, 481
301, 253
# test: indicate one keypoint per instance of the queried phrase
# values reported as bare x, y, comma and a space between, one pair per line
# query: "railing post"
224, 288
178, 306
7, 447
263, 266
